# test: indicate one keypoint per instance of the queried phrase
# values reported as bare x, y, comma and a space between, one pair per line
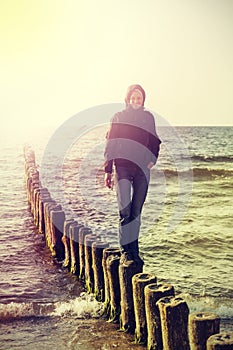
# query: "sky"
59, 57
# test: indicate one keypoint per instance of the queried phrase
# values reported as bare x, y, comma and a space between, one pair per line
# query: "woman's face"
136, 99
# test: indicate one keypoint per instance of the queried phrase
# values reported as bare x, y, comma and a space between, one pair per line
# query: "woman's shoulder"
115, 117
149, 114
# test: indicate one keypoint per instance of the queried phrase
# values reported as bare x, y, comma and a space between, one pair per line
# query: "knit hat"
131, 89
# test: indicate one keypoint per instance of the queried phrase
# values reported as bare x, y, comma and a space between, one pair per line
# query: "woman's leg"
123, 190
140, 188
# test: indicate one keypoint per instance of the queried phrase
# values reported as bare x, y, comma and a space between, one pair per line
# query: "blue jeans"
131, 187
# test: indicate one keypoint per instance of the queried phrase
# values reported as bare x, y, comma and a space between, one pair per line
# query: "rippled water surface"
186, 237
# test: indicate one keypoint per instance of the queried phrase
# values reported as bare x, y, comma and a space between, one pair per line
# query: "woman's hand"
150, 165
108, 180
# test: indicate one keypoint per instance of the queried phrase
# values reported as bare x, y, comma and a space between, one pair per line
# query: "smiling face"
136, 99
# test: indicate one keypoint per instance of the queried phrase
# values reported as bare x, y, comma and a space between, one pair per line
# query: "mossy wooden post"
82, 233
112, 265
66, 242
48, 206
28, 181
32, 179
74, 249
89, 274
126, 273
44, 197
153, 293
97, 256
43, 213
41, 191
201, 326
51, 228
106, 253
35, 211
57, 224
220, 341
35, 185
139, 281
174, 313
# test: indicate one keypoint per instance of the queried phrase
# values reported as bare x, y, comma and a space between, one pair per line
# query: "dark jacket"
132, 138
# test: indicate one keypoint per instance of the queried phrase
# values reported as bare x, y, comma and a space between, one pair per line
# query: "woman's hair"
131, 89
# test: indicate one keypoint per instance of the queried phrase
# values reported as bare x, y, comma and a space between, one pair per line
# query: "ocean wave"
197, 172
85, 306
219, 159
220, 306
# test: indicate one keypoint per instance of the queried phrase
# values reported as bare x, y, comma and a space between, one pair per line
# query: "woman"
133, 147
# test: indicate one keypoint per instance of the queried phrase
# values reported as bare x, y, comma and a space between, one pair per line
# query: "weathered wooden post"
49, 225
57, 224
201, 326
112, 266
41, 192
82, 233
74, 248
35, 211
28, 185
126, 273
174, 313
44, 197
106, 253
34, 185
48, 207
139, 281
153, 293
220, 341
97, 256
66, 242
89, 274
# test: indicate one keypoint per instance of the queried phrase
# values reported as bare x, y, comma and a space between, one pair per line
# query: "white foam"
84, 306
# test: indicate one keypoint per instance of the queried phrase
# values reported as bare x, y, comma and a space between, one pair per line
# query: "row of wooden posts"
156, 316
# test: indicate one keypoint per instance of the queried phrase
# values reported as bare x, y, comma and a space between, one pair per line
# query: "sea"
186, 234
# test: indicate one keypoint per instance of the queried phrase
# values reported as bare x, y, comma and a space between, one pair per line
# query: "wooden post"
40, 192
139, 281
106, 253
43, 198
153, 293
50, 227
174, 314
57, 223
35, 211
48, 207
126, 273
82, 233
201, 326
35, 185
74, 249
66, 242
97, 256
220, 341
89, 274
112, 266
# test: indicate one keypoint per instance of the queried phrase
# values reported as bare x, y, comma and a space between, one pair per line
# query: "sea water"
186, 236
